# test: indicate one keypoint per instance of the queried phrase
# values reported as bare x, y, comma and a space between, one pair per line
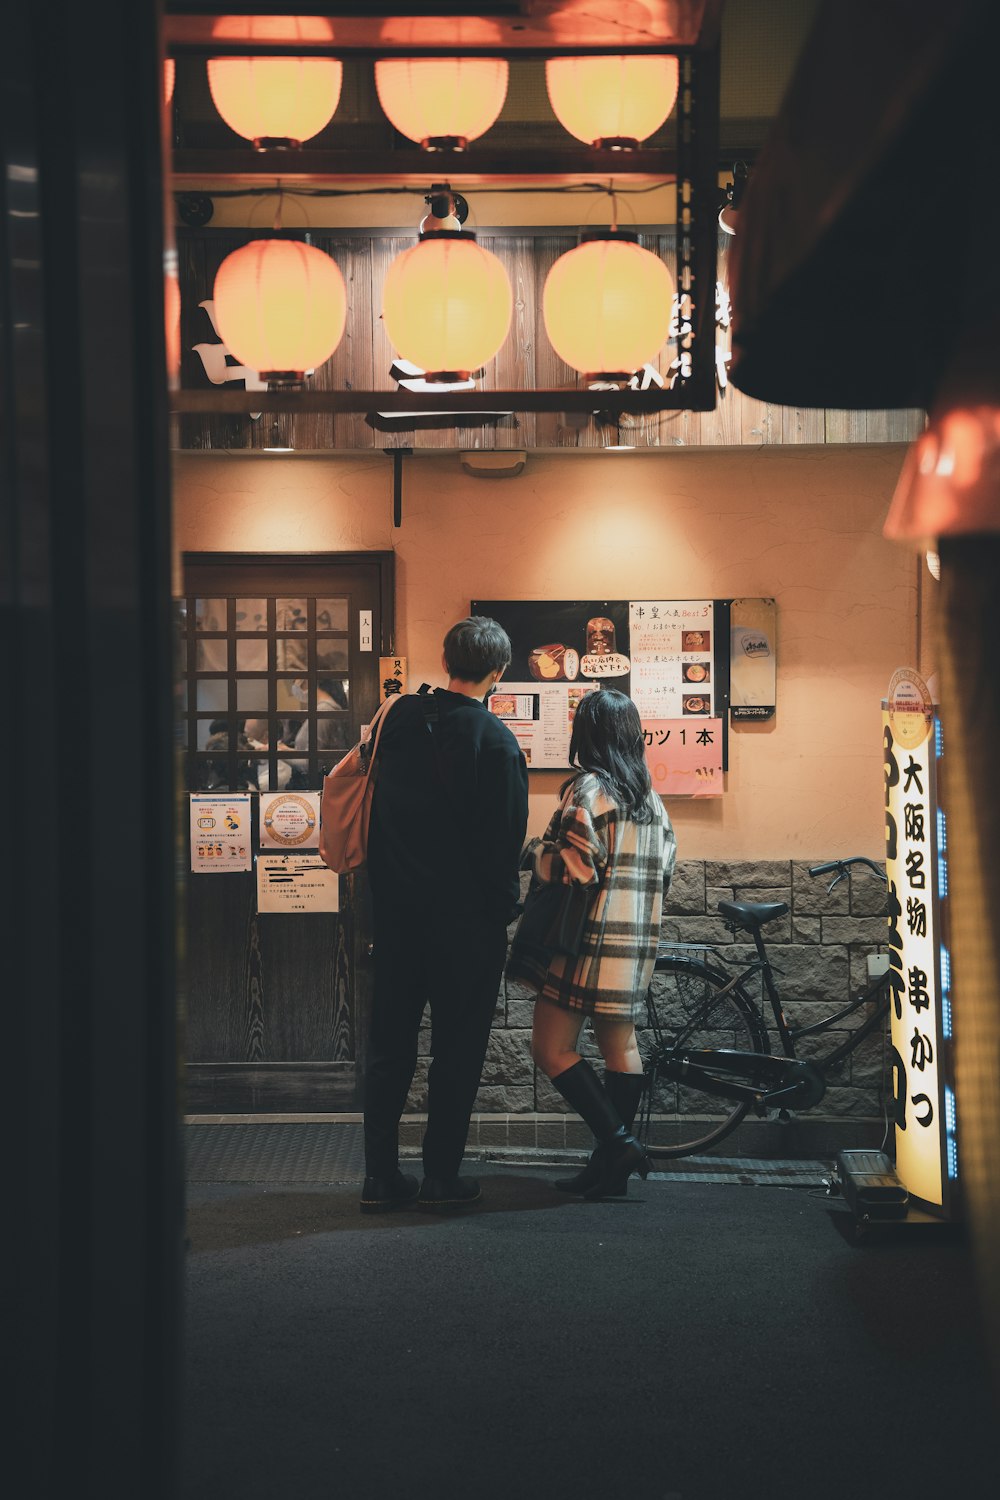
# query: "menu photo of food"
696, 704
696, 640
576, 695
554, 663
602, 657
514, 705
697, 671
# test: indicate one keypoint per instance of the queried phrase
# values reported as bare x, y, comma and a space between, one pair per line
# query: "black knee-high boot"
625, 1092
620, 1154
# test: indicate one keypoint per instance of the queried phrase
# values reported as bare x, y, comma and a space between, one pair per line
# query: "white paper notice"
289, 820
220, 834
296, 883
670, 642
540, 717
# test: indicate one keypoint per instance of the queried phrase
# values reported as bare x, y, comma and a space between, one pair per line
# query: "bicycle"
707, 1058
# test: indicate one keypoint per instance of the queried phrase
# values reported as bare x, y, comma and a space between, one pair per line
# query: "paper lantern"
447, 305
607, 305
276, 102
612, 102
443, 103
169, 77
280, 308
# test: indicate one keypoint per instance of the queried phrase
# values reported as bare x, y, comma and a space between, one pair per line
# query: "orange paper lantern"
169, 76
607, 305
443, 103
612, 102
447, 305
280, 308
276, 102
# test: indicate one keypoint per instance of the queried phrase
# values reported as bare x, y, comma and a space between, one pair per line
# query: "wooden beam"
237, 403
410, 165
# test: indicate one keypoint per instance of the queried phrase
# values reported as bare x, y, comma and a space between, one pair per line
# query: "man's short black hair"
475, 647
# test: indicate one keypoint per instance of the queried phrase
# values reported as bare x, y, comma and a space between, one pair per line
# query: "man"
447, 827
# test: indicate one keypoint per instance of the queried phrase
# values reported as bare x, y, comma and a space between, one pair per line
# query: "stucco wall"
800, 524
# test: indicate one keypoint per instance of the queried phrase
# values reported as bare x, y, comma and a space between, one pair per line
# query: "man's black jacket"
450, 810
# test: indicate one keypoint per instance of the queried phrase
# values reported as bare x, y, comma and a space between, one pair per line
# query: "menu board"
671, 648
540, 716
664, 653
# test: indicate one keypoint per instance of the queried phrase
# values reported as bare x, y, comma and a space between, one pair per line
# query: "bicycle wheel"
690, 1006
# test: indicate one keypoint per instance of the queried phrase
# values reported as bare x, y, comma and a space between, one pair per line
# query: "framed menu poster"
670, 656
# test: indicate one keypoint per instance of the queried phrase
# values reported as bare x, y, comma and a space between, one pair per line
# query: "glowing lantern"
169, 75
607, 305
612, 102
276, 102
280, 308
447, 305
443, 103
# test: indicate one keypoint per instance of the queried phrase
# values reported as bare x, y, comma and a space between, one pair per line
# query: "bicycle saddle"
751, 914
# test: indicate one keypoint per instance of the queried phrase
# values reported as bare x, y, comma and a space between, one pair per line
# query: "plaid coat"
630, 866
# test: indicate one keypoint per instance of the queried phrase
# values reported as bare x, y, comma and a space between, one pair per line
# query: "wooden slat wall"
526, 361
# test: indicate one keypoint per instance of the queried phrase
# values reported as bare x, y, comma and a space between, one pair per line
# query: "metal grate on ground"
272, 1152
328, 1152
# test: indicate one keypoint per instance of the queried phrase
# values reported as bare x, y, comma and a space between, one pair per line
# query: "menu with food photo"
671, 649
564, 640
540, 718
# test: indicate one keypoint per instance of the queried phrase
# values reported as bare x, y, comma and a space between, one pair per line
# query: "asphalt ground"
694, 1341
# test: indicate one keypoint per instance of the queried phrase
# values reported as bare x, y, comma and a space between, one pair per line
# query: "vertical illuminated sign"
919, 972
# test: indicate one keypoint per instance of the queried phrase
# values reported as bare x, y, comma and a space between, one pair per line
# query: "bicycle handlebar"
841, 866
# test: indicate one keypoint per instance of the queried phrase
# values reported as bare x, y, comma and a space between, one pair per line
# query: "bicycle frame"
766, 1080
789, 1035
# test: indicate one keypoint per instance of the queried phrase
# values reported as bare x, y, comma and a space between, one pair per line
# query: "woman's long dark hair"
607, 740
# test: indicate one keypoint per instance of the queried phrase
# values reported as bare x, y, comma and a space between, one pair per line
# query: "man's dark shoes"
380, 1194
448, 1195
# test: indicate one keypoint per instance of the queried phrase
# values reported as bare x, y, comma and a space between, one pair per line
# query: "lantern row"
281, 306
442, 103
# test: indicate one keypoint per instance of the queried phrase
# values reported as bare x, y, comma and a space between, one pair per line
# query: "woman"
610, 832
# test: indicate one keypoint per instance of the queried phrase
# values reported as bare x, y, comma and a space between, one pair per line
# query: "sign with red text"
684, 756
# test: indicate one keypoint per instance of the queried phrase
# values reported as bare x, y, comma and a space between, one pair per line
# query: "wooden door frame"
386, 576
245, 1092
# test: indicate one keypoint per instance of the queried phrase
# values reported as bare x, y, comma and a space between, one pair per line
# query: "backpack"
346, 803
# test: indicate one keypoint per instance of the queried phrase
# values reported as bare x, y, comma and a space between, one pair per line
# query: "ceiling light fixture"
447, 305
442, 103
280, 308
276, 102
606, 305
612, 103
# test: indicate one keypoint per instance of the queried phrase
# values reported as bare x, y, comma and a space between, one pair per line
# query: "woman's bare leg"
555, 1037
617, 1043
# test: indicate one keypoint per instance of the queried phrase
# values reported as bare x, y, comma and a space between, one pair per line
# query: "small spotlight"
194, 209
447, 210
933, 564
729, 213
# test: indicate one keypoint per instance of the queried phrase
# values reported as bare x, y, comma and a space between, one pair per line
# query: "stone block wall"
819, 951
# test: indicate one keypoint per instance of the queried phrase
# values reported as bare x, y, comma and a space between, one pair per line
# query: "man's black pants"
456, 968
